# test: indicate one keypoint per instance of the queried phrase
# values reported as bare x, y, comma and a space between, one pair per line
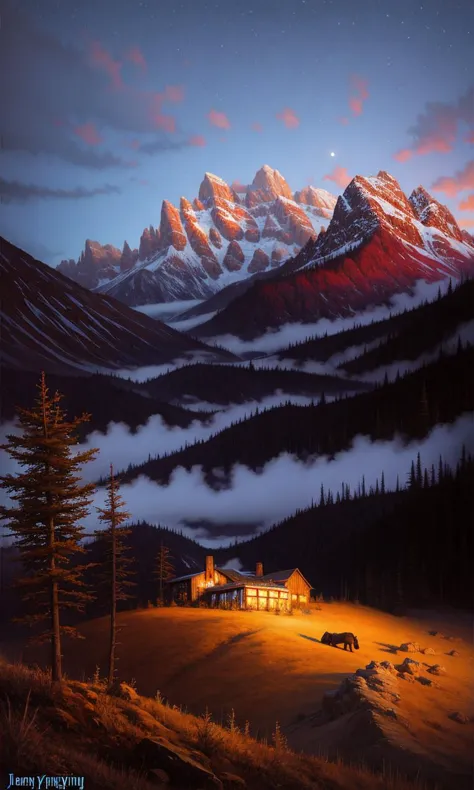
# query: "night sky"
108, 107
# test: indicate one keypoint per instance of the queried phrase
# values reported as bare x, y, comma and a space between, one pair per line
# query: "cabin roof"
283, 576
183, 578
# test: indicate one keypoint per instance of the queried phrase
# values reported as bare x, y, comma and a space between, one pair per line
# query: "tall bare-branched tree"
116, 567
45, 522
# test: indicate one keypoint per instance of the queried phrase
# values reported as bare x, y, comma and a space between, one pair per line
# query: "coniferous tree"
164, 569
382, 484
116, 567
45, 522
419, 474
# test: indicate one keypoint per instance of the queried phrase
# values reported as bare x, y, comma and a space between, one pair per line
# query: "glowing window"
251, 592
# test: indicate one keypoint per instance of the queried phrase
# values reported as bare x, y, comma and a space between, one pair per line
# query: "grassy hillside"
265, 668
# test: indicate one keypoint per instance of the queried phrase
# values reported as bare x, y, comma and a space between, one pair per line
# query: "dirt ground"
273, 668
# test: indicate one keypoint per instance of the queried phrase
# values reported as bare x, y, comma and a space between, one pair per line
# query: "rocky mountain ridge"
221, 237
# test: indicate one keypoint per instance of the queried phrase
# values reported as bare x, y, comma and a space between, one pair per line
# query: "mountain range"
377, 244
227, 233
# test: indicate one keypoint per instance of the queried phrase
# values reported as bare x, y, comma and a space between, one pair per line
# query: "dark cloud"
50, 89
13, 191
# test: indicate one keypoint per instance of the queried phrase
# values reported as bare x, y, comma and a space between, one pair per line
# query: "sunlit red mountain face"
225, 235
378, 244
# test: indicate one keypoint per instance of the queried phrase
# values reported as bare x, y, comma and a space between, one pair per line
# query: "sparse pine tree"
377, 491
164, 569
321, 498
412, 476
116, 567
397, 487
382, 484
433, 475
363, 485
419, 473
46, 520
426, 481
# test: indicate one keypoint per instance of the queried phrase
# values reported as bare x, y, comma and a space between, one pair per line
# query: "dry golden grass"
79, 729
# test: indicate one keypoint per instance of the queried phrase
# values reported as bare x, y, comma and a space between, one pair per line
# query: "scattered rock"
232, 781
123, 691
158, 776
434, 633
436, 669
181, 768
425, 681
460, 717
406, 676
409, 666
452, 653
428, 651
410, 647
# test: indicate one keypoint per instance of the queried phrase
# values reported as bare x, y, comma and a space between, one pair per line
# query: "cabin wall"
299, 589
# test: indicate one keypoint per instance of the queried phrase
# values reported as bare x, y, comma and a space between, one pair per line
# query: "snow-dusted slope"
50, 323
221, 238
378, 244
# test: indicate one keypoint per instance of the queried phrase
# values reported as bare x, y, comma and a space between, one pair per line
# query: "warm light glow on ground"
269, 667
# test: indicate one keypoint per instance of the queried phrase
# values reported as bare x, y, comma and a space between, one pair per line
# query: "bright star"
332, 153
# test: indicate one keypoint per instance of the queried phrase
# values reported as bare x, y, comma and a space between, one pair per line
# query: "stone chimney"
210, 568
259, 569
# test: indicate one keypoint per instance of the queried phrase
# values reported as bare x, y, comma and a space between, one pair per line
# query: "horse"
348, 639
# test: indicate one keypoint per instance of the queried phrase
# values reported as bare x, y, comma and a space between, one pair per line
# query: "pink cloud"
466, 223
289, 118
165, 122
257, 127
218, 119
452, 185
343, 120
135, 144
339, 175
404, 155
135, 56
467, 204
103, 60
359, 94
237, 186
174, 93
88, 133
436, 129
197, 140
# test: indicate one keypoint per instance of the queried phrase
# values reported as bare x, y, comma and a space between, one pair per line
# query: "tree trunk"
56, 669
113, 610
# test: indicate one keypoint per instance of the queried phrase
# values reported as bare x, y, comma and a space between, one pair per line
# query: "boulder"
459, 717
410, 647
182, 769
158, 776
428, 651
436, 669
453, 653
123, 691
409, 666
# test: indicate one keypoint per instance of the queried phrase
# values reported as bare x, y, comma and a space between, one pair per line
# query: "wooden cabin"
296, 584
243, 590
